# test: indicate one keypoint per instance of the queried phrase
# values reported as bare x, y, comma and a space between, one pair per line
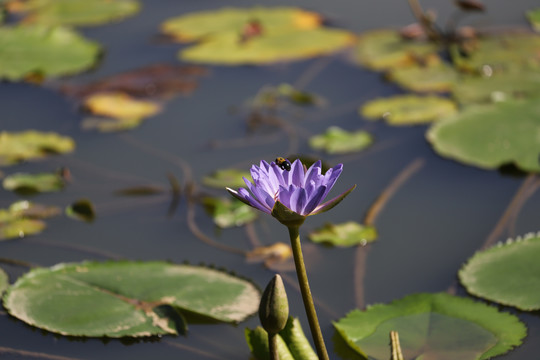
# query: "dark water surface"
436, 221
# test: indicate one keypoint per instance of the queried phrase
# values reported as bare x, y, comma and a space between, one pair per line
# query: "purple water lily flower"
300, 190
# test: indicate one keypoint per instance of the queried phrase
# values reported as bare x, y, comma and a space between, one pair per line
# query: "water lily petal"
297, 173
314, 200
298, 199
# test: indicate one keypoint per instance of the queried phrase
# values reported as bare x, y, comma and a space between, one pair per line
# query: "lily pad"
345, 234
534, 18
228, 212
386, 49
77, 12
33, 183
498, 87
339, 141
226, 178
436, 78
281, 45
4, 281
22, 218
201, 25
28, 145
507, 273
432, 326
409, 109
256, 35
82, 209
489, 136
48, 51
292, 342
117, 299
120, 106
502, 53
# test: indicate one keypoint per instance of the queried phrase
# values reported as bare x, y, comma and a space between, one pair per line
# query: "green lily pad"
339, 141
281, 45
33, 183
28, 145
4, 281
228, 212
502, 53
77, 12
499, 87
408, 109
489, 136
345, 234
31, 210
386, 49
436, 78
126, 298
226, 178
82, 209
507, 273
48, 51
534, 18
292, 342
432, 326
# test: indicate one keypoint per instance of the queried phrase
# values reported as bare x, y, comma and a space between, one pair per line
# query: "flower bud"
274, 307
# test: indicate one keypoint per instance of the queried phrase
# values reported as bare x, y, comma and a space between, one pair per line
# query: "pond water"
432, 225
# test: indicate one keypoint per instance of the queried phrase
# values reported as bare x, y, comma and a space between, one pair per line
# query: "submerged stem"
306, 293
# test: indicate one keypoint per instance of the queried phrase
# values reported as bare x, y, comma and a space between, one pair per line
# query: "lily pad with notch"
23, 218
490, 136
127, 298
435, 326
60, 51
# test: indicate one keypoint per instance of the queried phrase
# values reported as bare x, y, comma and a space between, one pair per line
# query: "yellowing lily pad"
279, 45
29, 145
507, 52
77, 12
48, 51
213, 23
122, 111
432, 326
33, 183
386, 49
345, 234
436, 78
4, 281
22, 218
256, 35
409, 109
489, 136
507, 273
339, 141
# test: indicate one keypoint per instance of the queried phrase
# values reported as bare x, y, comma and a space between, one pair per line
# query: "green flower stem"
272, 346
306, 293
